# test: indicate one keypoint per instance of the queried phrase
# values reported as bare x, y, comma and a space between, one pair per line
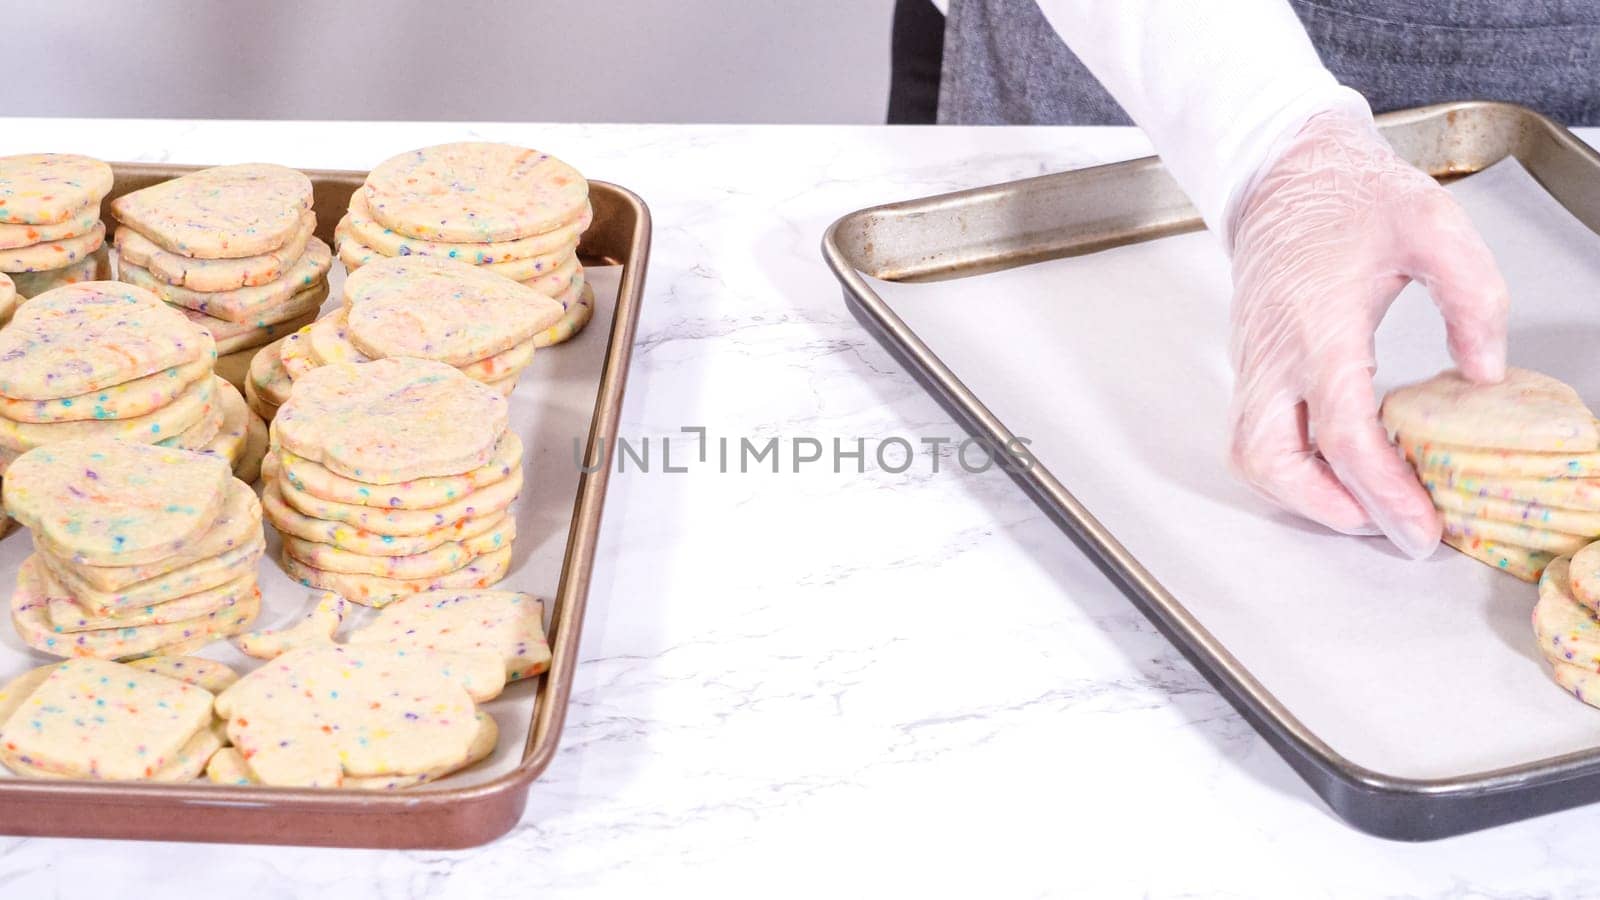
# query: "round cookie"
329, 343
505, 364
474, 192
440, 309
1518, 562
13, 236
1526, 411
557, 282
1566, 629
360, 226
50, 188
431, 563
578, 311
84, 337
189, 408
112, 503
291, 522
215, 274
130, 399
246, 304
422, 493
237, 524
198, 437
1583, 575
392, 420
396, 522
374, 590
224, 212
295, 355
30, 615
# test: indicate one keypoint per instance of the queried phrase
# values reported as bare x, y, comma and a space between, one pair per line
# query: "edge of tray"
890, 242
442, 818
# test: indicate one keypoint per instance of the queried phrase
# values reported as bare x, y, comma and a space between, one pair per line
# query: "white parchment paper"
552, 405
1115, 365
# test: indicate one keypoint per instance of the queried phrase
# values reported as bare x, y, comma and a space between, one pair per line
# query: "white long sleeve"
1218, 85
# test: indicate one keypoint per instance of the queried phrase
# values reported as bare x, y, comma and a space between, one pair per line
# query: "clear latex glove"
1324, 241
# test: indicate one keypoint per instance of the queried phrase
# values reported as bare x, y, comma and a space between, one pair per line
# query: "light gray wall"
539, 60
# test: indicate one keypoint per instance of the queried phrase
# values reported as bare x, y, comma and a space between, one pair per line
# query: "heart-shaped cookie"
1526, 411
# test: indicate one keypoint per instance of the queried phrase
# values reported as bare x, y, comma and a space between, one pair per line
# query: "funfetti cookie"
317, 628
50, 188
67, 615
578, 308
215, 274
1526, 411
30, 614
1561, 493
356, 255
237, 524
422, 493
1565, 629
8, 297
315, 715
95, 267
365, 230
228, 765
196, 670
98, 719
291, 522
475, 192
233, 424
1519, 464
224, 212
398, 522
13, 236
202, 575
114, 503
231, 337
245, 304
248, 468
89, 336
190, 407
131, 399
440, 309
267, 378
1515, 534
433, 562
53, 255
1535, 515
505, 624
1518, 562
376, 590
392, 420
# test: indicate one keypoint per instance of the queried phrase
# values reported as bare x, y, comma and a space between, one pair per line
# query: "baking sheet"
552, 407
1114, 366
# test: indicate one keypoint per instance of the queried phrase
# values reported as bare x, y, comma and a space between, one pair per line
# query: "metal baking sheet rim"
1135, 201
440, 818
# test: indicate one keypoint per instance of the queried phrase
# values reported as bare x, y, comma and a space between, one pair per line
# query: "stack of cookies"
107, 359
1511, 467
1566, 622
139, 550
233, 248
508, 210
393, 477
50, 229
423, 308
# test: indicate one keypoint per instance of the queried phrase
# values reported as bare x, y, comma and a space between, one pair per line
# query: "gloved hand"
1323, 241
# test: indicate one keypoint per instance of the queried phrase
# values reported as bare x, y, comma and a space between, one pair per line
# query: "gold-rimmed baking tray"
577, 403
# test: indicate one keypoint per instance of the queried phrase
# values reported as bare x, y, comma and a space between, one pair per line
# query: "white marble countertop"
863, 684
